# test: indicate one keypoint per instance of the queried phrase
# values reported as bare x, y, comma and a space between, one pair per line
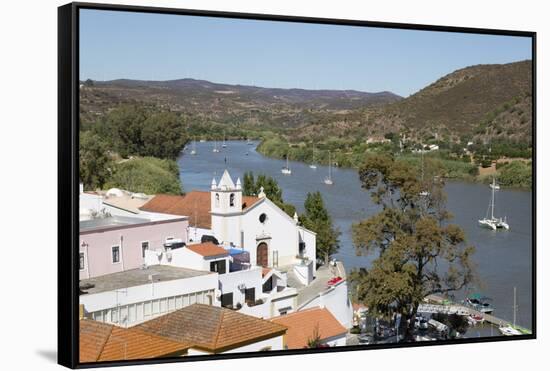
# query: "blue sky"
280, 54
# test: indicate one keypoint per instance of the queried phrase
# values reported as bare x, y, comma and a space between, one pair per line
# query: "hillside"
483, 101
225, 103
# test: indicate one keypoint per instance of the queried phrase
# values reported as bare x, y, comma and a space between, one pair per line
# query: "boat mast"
493, 200
515, 307
329, 166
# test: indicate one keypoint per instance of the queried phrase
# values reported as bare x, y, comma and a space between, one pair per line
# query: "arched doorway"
261, 254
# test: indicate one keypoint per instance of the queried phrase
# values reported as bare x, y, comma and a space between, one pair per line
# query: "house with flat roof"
131, 297
213, 330
315, 325
117, 243
100, 342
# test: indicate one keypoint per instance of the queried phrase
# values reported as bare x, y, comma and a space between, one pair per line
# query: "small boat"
328, 180
194, 150
494, 185
224, 145
202, 140
493, 222
509, 331
215, 149
286, 170
423, 193
479, 303
474, 319
312, 165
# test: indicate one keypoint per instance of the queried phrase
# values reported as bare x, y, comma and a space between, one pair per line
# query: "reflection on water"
503, 258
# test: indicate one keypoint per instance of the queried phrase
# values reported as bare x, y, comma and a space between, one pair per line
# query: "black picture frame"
68, 182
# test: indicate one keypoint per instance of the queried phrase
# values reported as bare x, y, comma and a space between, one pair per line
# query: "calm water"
503, 258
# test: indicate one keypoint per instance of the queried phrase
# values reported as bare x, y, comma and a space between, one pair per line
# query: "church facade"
257, 225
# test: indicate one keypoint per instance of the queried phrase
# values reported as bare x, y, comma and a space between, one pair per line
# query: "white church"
270, 236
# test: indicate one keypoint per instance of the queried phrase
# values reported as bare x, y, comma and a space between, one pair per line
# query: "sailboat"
511, 330
224, 145
494, 185
328, 180
493, 222
286, 170
194, 150
423, 193
312, 165
215, 149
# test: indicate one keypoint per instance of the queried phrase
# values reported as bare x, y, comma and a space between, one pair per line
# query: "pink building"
115, 244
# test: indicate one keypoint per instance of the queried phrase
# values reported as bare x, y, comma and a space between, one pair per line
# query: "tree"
94, 162
149, 175
271, 189
249, 188
419, 251
317, 219
315, 340
127, 123
162, 135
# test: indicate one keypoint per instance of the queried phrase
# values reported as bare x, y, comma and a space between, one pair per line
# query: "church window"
232, 199
263, 218
217, 200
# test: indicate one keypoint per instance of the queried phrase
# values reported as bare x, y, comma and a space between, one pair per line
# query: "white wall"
336, 300
205, 285
182, 257
251, 278
275, 343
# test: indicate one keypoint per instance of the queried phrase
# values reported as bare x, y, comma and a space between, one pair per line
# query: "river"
503, 258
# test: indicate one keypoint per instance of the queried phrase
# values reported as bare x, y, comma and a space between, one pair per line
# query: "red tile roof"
208, 249
104, 342
195, 205
214, 329
303, 325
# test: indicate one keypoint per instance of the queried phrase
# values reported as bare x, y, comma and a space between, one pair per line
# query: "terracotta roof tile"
104, 342
195, 205
208, 249
213, 329
303, 324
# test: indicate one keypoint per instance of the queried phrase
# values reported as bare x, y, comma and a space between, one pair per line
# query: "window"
116, 254
227, 299
217, 200
262, 218
250, 295
268, 285
144, 247
218, 266
81, 261
232, 199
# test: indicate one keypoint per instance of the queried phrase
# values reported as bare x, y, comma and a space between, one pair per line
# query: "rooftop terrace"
137, 277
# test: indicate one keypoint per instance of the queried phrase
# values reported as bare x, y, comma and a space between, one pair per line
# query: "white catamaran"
493, 222
312, 165
328, 179
286, 170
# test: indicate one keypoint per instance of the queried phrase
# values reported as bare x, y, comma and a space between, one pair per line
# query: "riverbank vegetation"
456, 162
411, 237
133, 147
